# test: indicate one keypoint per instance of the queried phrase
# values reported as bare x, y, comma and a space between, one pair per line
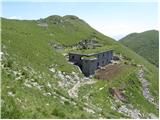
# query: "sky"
114, 19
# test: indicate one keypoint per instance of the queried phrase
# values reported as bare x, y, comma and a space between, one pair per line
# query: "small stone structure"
88, 63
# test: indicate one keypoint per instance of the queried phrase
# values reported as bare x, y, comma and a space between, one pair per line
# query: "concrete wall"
75, 58
89, 66
104, 58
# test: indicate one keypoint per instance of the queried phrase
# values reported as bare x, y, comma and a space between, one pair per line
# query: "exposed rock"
88, 110
47, 104
74, 91
19, 78
52, 70
88, 44
116, 58
152, 116
49, 85
65, 54
126, 109
19, 100
10, 93
47, 94
55, 44
63, 98
32, 83
60, 75
43, 24
27, 84
130, 111
1, 53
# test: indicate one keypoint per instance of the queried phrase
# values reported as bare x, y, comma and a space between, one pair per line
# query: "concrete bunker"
88, 63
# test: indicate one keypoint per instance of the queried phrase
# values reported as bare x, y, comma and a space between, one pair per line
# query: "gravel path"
145, 89
129, 110
73, 92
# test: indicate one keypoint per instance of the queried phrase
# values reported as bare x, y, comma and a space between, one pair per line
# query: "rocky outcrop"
55, 45
88, 44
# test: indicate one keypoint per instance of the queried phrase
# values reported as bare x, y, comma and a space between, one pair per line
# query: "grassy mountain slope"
145, 44
33, 71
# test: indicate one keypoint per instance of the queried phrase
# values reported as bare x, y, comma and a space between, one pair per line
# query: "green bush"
59, 113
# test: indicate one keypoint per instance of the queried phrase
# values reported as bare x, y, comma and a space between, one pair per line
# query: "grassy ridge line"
145, 44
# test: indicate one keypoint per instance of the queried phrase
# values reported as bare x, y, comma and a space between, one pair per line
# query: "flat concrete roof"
89, 58
91, 53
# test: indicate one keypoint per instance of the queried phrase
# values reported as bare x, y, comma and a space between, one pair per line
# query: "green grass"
28, 45
93, 50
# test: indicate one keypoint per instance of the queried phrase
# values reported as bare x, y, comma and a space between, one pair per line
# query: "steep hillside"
39, 82
145, 44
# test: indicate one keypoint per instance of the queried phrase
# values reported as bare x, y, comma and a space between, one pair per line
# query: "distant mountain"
38, 81
145, 44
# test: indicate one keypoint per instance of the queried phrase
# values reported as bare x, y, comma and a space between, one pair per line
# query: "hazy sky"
114, 19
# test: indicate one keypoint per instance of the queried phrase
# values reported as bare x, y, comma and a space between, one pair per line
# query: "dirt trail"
73, 92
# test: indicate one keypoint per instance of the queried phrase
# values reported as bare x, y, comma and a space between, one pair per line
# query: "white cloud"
15, 17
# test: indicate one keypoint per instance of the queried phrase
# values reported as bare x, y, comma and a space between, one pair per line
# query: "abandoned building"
88, 63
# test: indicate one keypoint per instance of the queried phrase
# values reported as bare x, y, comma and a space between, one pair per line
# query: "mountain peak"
53, 17
71, 17
59, 19
56, 17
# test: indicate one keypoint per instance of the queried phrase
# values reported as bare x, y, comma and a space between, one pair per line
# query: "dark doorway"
107, 61
97, 64
72, 57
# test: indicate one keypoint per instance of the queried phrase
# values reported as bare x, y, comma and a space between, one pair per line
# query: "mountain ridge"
145, 44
